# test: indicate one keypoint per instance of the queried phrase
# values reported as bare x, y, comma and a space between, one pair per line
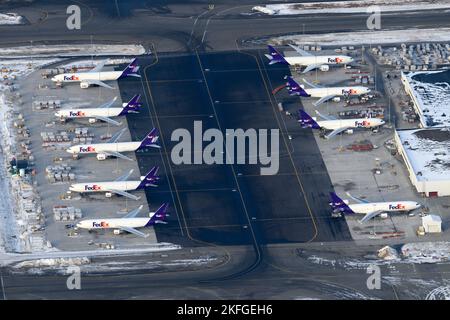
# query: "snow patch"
72, 50
349, 7
10, 19
366, 37
52, 262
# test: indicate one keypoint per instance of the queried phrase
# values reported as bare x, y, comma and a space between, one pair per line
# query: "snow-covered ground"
417, 252
60, 265
10, 18
366, 37
90, 64
72, 50
52, 258
15, 235
350, 6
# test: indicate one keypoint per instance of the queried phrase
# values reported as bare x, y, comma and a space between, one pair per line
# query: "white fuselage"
392, 206
89, 187
351, 123
337, 91
310, 60
80, 76
88, 112
113, 223
104, 147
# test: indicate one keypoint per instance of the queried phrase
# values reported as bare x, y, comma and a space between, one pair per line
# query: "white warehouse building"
426, 153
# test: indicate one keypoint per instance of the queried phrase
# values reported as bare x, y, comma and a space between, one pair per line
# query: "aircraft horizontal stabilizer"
109, 120
370, 215
134, 231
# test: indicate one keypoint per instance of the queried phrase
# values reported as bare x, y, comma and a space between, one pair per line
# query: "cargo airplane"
103, 112
306, 59
336, 125
120, 186
96, 76
113, 148
128, 223
324, 93
369, 209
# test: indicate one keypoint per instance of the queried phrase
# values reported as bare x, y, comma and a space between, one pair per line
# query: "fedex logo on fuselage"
94, 187
335, 60
71, 78
364, 123
349, 91
397, 206
76, 114
101, 224
87, 149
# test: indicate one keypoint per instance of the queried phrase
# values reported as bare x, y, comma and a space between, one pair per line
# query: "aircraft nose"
418, 205
69, 150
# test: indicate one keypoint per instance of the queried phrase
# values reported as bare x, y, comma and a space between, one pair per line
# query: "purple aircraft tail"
159, 215
150, 179
274, 56
150, 140
131, 70
306, 121
132, 106
295, 89
339, 205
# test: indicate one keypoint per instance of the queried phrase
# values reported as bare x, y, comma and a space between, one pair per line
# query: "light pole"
92, 51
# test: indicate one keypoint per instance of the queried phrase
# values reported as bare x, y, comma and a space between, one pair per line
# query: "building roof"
432, 92
428, 152
432, 218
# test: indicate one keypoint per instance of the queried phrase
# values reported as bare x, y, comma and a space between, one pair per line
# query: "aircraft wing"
108, 104
335, 132
99, 66
124, 193
117, 136
98, 83
324, 116
117, 155
311, 67
357, 199
312, 85
300, 51
109, 120
370, 215
134, 231
324, 99
134, 212
125, 176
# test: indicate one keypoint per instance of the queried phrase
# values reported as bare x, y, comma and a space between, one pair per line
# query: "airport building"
426, 153
430, 93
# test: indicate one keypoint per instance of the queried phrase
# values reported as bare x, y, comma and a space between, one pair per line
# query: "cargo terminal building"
426, 153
